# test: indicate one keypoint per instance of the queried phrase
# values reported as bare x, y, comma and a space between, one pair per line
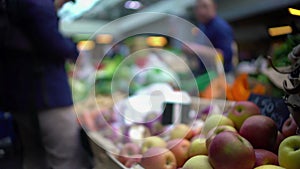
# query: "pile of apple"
241, 139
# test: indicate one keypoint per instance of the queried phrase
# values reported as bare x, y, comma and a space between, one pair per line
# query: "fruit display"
240, 138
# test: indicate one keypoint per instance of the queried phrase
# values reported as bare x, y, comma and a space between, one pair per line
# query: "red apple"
260, 131
241, 111
135, 159
158, 158
128, 151
180, 148
265, 157
289, 127
217, 130
229, 150
280, 138
197, 126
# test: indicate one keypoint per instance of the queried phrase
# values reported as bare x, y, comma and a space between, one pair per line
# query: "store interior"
147, 97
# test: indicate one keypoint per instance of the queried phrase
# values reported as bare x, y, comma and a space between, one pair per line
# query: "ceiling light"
133, 5
283, 30
104, 39
86, 45
294, 11
157, 41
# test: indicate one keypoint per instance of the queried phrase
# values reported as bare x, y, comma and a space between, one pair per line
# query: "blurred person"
34, 84
217, 30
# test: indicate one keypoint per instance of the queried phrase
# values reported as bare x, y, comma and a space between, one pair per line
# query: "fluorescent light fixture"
133, 5
104, 39
71, 11
283, 30
294, 11
86, 45
157, 41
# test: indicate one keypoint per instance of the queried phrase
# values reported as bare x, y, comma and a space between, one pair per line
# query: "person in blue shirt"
34, 84
217, 30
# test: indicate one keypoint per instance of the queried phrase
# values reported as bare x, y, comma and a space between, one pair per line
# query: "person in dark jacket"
216, 30
34, 84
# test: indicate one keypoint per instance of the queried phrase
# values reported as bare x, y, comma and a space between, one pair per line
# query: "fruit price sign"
272, 107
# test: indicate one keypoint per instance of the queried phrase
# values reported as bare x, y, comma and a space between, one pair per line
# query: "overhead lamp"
295, 12
86, 45
104, 39
157, 41
283, 30
135, 5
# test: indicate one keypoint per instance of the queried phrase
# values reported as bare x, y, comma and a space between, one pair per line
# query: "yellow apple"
198, 147
197, 162
269, 167
216, 120
181, 131
153, 141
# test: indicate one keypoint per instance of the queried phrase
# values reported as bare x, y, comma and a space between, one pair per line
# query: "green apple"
198, 147
198, 162
181, 131
215, 120
241, 111
153, 141
269, 167
289, 153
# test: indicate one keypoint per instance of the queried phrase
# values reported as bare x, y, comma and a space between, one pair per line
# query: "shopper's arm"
41, 24
200, 50
223, 42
